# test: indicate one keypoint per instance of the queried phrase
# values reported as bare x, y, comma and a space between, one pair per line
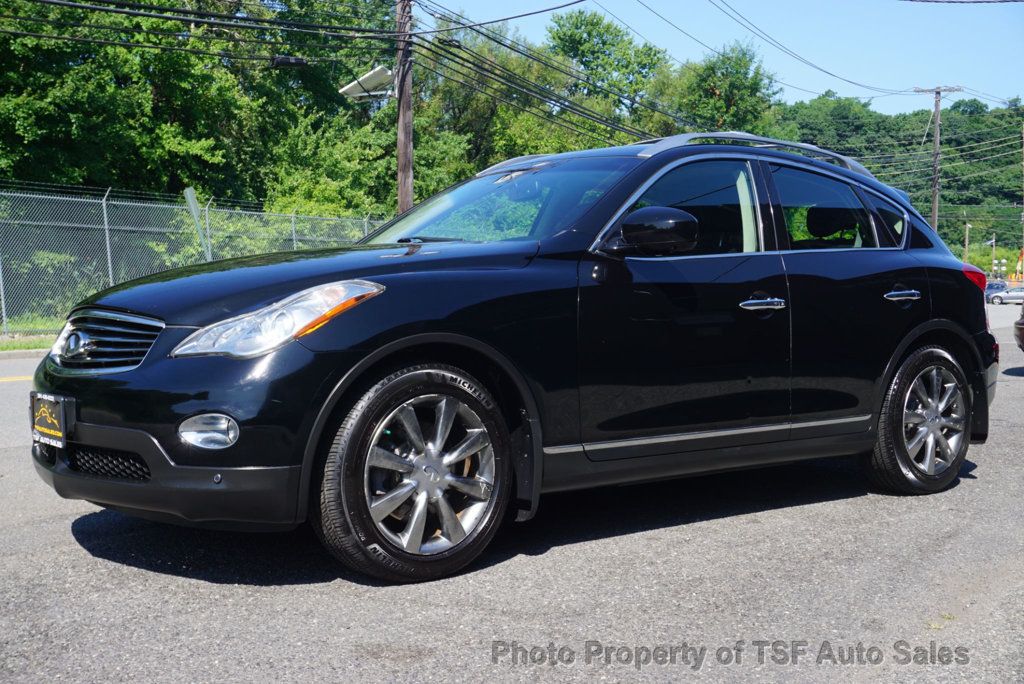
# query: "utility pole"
995, 264
967, 237
403, 89
936, 144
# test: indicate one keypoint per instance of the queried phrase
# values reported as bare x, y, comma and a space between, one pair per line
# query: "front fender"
528, 467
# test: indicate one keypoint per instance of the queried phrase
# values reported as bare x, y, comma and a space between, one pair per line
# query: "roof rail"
509, 163
671, 142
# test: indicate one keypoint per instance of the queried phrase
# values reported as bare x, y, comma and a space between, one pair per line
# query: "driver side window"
720, 194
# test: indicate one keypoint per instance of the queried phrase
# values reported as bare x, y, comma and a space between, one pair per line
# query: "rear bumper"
234, 498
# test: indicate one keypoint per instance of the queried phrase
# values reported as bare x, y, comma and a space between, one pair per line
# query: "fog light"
210, 431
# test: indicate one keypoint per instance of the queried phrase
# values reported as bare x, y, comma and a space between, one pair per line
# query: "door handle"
771, 303
902, 295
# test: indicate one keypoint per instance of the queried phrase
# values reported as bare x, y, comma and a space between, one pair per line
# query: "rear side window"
820, 212
891, 222
720, 194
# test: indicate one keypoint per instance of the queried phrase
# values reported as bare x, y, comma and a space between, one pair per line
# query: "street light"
374, 83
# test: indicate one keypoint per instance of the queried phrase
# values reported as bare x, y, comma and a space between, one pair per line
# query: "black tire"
342, 519
890, 466
997, 300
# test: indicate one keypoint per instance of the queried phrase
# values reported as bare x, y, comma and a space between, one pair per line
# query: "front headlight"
263, 331
58, 346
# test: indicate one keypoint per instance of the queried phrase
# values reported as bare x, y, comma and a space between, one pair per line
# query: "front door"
691, 351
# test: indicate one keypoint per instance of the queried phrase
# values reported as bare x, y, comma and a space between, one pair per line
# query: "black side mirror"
660, 230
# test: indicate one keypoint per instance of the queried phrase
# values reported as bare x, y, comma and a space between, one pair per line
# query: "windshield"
526, 202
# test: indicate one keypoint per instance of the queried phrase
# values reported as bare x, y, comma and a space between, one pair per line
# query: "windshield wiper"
427, 238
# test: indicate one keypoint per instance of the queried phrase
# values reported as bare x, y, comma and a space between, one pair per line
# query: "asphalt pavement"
661, 581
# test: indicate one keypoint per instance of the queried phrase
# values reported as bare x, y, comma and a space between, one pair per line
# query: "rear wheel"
923, 429
415, 483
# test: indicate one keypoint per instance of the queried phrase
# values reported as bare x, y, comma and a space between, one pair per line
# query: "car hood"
206, 293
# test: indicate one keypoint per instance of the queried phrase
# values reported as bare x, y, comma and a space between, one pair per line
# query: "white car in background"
1011, 295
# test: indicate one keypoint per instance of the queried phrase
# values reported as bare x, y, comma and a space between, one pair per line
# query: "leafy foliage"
100, 114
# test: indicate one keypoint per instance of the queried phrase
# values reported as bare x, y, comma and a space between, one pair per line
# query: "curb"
17, 354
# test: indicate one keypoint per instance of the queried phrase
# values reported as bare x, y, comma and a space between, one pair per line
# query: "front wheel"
997, 300
416, 481
923, 429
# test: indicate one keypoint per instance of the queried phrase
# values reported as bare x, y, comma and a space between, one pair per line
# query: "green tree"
606, 53
728, 91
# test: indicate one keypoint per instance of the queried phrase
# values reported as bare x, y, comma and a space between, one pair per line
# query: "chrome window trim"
602, 235
703, 434
595, 246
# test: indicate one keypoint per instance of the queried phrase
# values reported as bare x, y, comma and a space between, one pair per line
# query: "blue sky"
885, 43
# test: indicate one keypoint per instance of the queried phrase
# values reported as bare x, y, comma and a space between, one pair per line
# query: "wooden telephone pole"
936, 143
967, 237
403, 90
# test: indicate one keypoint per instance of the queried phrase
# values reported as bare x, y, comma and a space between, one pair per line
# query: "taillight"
976, 276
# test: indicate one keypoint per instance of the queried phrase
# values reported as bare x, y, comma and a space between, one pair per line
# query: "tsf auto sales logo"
594, 653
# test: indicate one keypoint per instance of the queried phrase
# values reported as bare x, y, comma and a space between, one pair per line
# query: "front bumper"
255, 483
249, 498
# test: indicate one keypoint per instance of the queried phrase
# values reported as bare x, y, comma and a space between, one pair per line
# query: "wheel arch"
951, 336
489, 365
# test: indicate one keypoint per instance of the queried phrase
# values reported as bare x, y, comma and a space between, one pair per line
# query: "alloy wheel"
934, 421
429, 474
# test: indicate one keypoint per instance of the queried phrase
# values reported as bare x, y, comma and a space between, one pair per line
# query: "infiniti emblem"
431, 473
77, 345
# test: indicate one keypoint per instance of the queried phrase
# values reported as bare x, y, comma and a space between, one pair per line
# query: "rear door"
854, 293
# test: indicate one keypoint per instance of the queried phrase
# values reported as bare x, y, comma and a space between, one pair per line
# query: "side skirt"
568, 468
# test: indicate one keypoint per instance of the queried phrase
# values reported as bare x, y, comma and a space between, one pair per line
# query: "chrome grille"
100, 341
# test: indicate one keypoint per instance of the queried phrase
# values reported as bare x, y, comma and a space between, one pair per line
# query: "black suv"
697, 303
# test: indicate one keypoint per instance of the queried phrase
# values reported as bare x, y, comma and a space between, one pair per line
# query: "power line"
945, 166
896, 155
579, 76
291, 24
630, 130
982, 173
688, 35
920, 188
248, 23
525, 87
697, 40
484, 90
185, 35
888, 168
145, 46
738, 17
997, 142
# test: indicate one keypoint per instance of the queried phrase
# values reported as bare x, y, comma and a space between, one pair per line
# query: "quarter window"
821, 213
892, 219
720, 194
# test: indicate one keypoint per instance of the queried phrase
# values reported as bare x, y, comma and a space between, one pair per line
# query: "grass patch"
33, 325
10, 343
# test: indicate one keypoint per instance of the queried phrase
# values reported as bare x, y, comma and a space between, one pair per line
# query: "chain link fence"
58, 247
